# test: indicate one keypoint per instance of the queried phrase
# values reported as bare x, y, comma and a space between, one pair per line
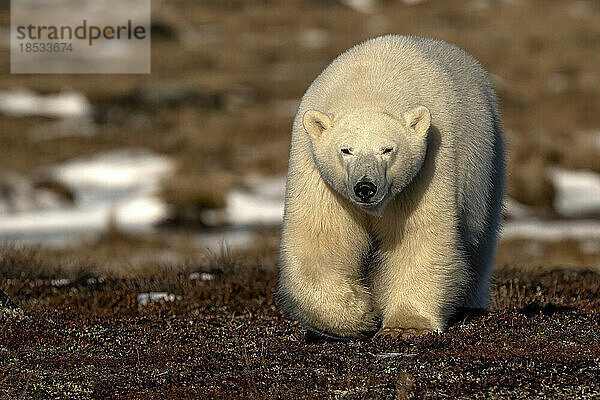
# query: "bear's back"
401, 72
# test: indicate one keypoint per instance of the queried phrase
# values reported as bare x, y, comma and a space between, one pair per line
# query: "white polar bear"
394, 191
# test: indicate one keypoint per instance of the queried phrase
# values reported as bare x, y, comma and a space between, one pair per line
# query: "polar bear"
394, 191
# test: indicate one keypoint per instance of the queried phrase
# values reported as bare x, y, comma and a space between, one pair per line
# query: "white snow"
118, 186
117, 170
552, 230
577, 192
261, 202
66, 104
577, 196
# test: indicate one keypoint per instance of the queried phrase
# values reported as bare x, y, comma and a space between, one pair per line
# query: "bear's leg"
320, 282
482, 252
419, 281
481, 258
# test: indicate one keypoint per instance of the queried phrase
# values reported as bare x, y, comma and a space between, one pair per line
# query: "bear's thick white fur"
419, 118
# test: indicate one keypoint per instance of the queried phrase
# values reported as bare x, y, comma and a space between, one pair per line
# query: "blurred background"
135, 172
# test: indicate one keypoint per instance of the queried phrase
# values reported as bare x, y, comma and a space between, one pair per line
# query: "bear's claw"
374, 325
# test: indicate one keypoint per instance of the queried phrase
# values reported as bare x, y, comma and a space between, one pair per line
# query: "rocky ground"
223, 334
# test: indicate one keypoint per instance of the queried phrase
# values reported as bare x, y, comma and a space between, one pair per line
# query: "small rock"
151, 297
203, 276
395, 355
60, 282
7, 307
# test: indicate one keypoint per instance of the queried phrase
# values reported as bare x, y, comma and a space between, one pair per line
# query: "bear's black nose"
365, 190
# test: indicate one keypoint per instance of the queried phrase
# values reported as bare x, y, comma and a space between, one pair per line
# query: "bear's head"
368, 155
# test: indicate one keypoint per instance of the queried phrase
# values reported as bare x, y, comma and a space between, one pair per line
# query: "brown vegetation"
228, 337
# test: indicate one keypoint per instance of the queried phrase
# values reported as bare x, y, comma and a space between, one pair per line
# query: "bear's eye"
387, 150
346, 151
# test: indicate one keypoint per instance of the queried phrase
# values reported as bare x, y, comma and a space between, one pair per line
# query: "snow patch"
577, 192
552, 230
259, 202
117, 170
66, 104
117, 187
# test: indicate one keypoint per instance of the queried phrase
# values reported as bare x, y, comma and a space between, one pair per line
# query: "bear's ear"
418, 120
315, 122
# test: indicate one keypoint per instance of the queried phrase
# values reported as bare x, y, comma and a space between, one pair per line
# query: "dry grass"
530, 255
228, 338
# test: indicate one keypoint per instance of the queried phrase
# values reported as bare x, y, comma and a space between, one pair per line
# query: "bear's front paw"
363, 321
364, 327
403, 333
353, 317
405, 324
